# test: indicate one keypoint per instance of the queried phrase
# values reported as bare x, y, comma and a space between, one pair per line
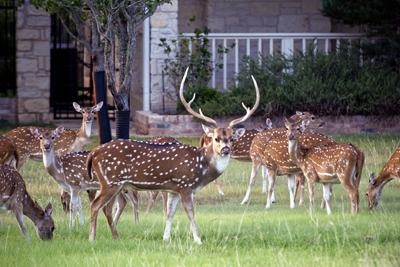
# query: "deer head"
44, 224
88, 113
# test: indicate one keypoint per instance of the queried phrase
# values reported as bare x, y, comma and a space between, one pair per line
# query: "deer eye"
40, 137
217, 139
53, 137
83, 111
231, 139
312, 118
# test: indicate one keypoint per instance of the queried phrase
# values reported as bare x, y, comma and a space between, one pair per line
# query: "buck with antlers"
390, 171
13, 196
241, 149
179, 169
71, 140
70, 172
326, 164
269, 149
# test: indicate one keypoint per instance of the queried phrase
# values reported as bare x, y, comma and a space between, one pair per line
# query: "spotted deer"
241, 149
71, 140
181, 170
8, 152
326, 164
13, 196
70, 172
390, 171
278, 163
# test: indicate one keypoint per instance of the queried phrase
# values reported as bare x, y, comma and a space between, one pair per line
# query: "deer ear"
98, 106
59, 130
372, 179
77, 107
209, 132
48, 210
34, 131
269, 123
300, 114
287, 122
239, 133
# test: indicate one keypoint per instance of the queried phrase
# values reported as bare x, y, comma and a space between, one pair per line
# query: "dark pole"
103, 120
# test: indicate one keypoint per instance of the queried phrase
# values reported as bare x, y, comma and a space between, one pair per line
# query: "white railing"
256, 44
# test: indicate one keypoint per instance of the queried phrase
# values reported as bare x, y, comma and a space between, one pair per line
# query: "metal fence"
8, 81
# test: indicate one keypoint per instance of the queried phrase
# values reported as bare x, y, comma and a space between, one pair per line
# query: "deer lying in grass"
390, 171
13, 196
70, 172
278, 163
181, 170
326, 164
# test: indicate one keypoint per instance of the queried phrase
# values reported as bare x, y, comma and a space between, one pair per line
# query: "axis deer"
390, 171
13, 196
259, 154
70, 172
181, 170
326, 164
241, 149
71, 140
8, 152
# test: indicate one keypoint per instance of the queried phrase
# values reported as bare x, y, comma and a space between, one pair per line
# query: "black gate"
8, 81
71, 79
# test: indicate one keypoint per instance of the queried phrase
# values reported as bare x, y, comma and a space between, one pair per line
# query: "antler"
189, 109
248, 111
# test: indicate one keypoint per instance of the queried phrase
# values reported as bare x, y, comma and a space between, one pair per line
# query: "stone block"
159, 20
41, 48
39, 21
296, 23
311, 6
42, 83
37, 105
264, 9
26, 34
24, 46
27, 65
320, 25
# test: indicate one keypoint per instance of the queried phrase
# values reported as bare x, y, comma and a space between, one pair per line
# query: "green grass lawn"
232, 234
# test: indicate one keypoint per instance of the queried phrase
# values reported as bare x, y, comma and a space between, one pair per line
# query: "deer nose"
291, 137
46, 146
322, 124
89, 118
225, 151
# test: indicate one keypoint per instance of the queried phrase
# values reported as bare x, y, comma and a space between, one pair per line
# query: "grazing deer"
179, 169
71, 140
13, 196
8, 152
326, 164
260, 149
69, 171
390, 171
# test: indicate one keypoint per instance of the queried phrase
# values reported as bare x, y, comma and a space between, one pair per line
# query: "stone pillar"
164, 24
33, 64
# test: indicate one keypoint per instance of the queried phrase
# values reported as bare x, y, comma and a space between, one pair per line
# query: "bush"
325, 84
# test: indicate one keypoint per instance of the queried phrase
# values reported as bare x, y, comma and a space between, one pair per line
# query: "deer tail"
89, 165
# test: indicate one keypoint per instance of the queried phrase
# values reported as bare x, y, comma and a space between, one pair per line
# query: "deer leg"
352, 191
120, 203
20, 218
253, 177
173, 200
291, 190
187, 202
265, 177
165, 201
218, 187
153, 197
299, 181
132, 197
327, 192
105, 196
311, 189
271, 184
21, 162
108, 212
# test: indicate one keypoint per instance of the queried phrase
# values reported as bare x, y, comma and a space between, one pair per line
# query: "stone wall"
152, 124
8, 109
33, 64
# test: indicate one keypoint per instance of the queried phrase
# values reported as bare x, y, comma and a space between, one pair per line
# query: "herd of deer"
117, 169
